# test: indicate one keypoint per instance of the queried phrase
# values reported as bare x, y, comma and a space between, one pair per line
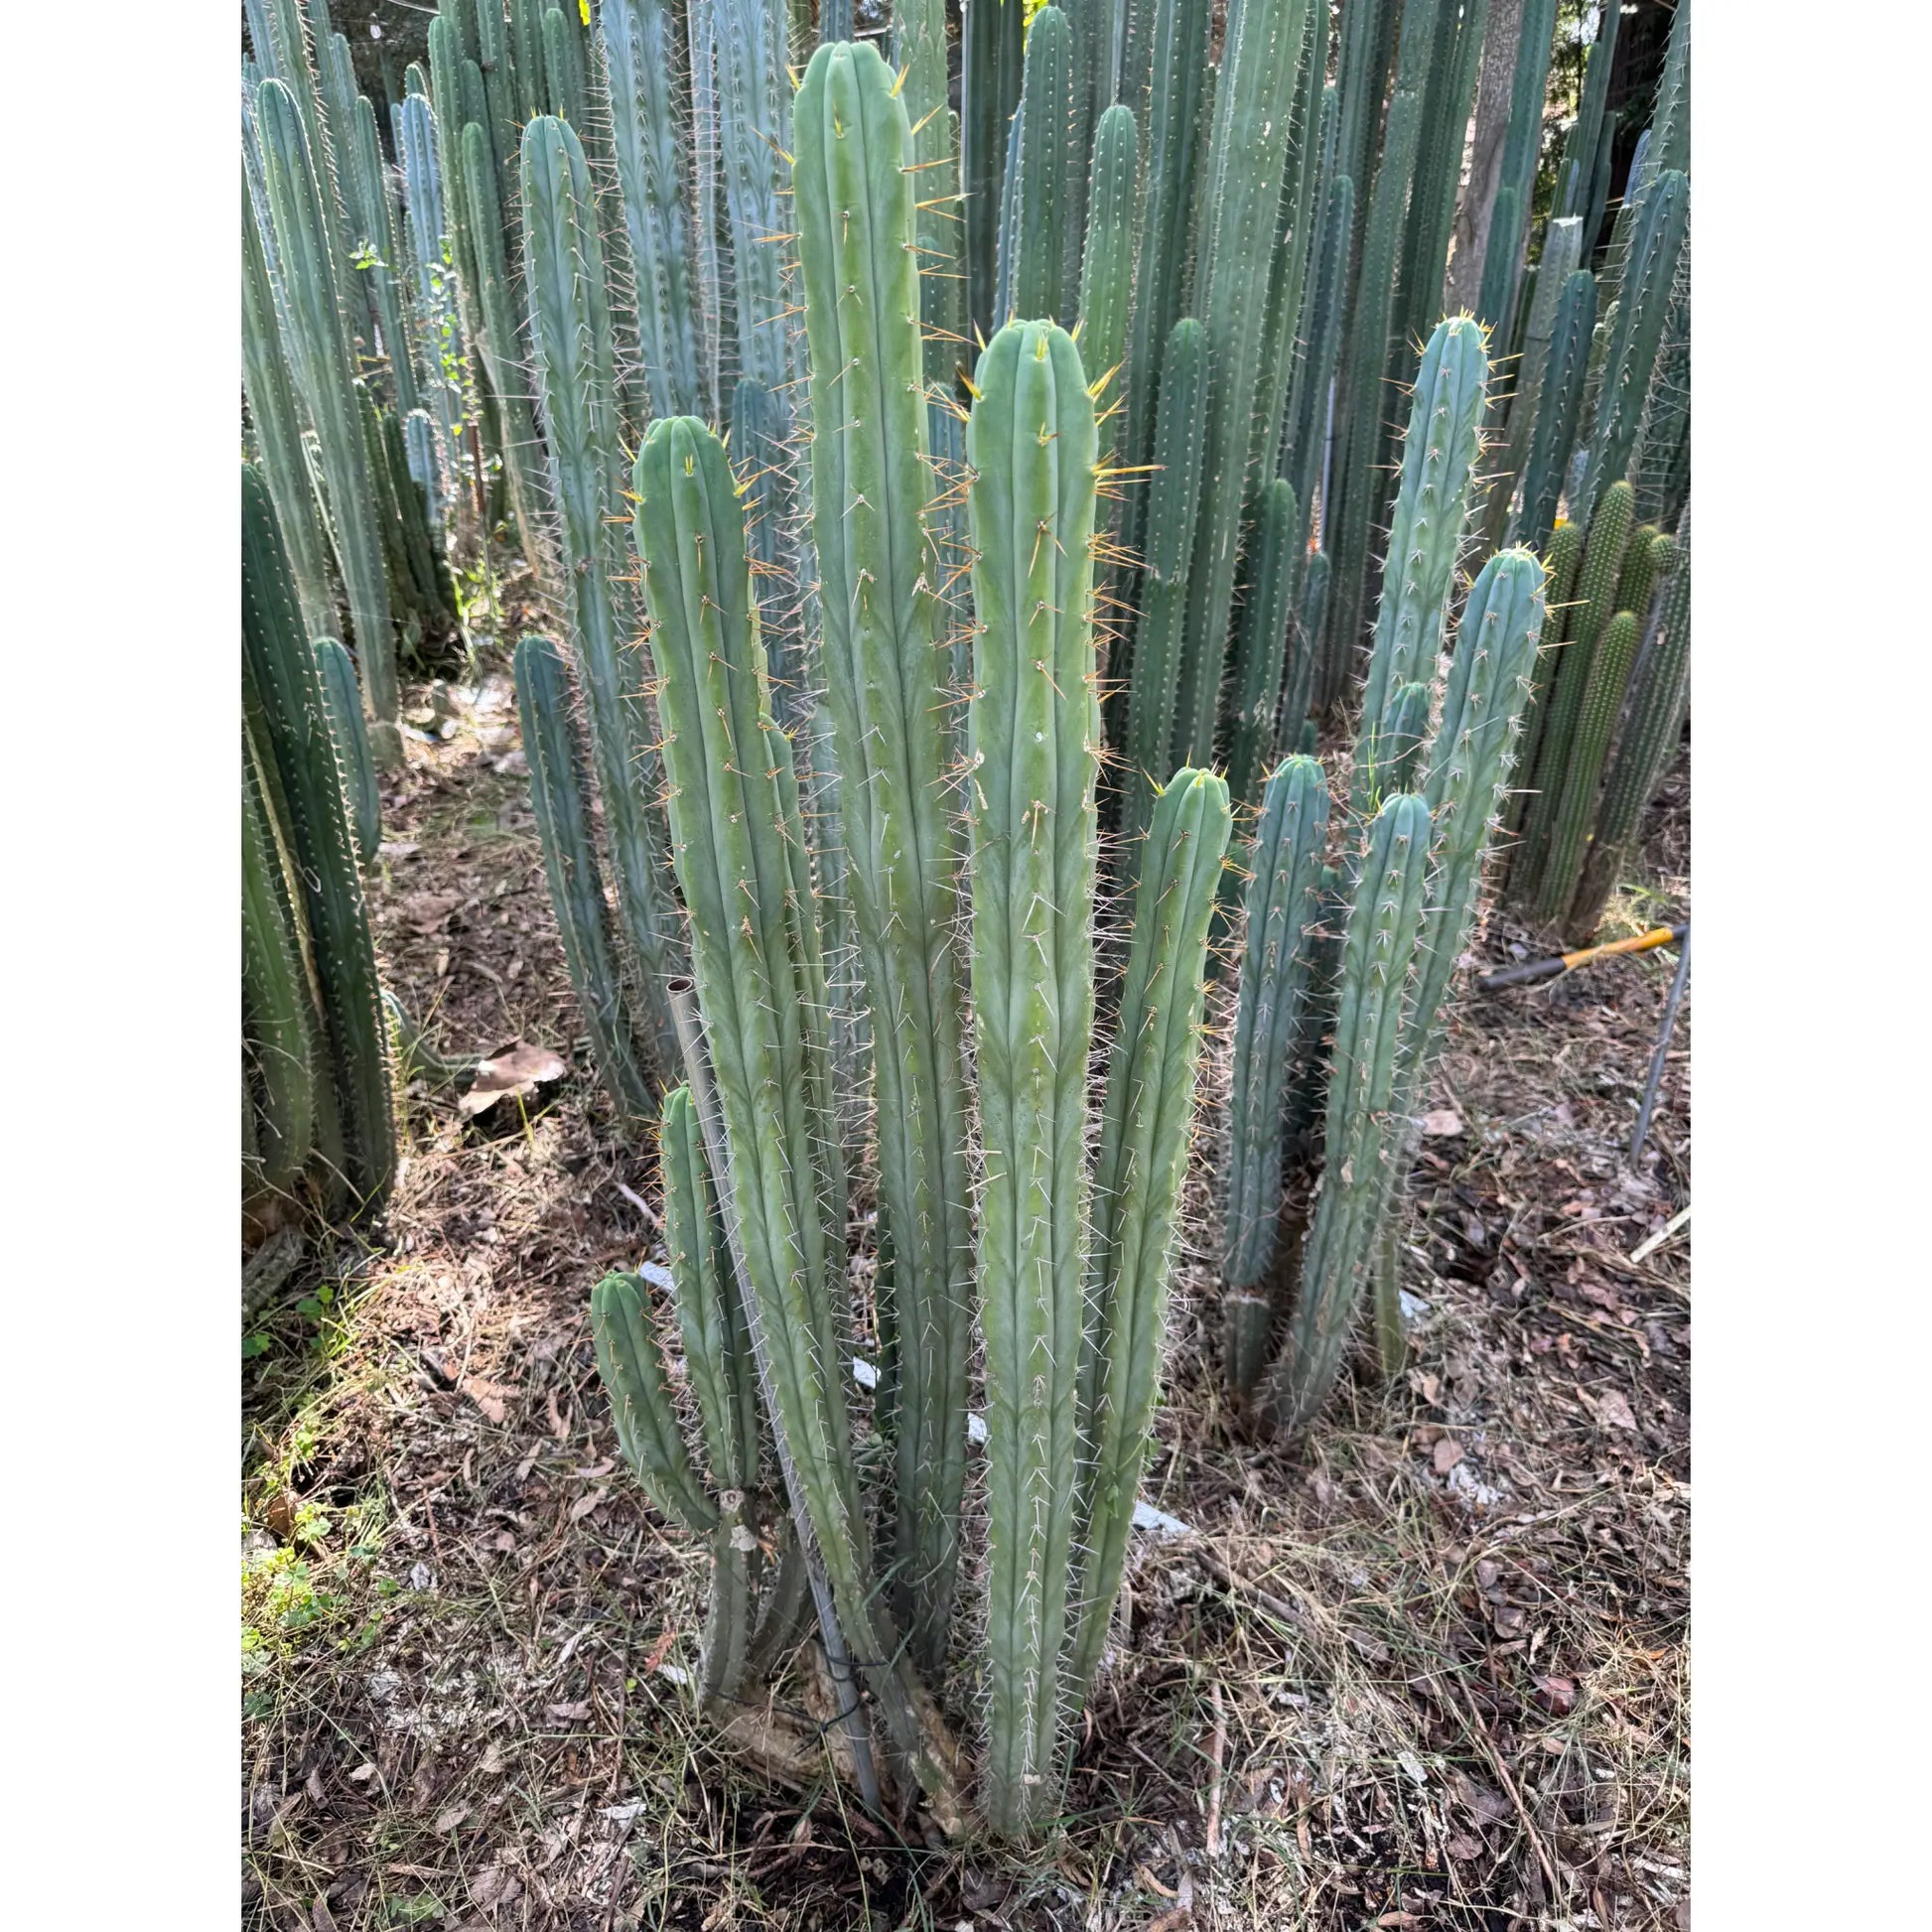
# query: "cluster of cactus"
999, 1204
1421, 808
318, 1112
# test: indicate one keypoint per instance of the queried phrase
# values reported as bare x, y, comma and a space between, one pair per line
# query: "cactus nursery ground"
1428, 1671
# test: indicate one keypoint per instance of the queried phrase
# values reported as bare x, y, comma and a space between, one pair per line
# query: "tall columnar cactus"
853, 197
741, 860
500, 340
1362, 1137
345, 702
559, 793
283, 691
992, 38
1584, 144
1563, 558
1636, 333
631, 1364
1609, 673
1502, 261
1425, 538
1173, 80
1358, 485
1242, 194
569, 331
1448, 102
319, 351
1646, 745
638, 40
1036, 211
1603, 567
1108, 264
1283, 904
1562, 242
1305, 438
1262, 633
1559, 407
1137, 1174
1153, 688
434, 192
1033, 746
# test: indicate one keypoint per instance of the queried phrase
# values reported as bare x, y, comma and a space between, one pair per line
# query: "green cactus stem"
1553, 434
631, 1364
344, 701
1262, 635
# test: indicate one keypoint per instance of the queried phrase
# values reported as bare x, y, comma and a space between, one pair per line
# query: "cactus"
559, 788
1559, 407
1660, 462
853, 193
1033, 739
1405, 729
319, 351
570, 330
1658, 687
1636, 331
437, 219
631, 1364
1563, 559
1425, 538
1602, 566
1262, 639
1137, 1174
1502, 261
1036, 215
1283, 900
639, 39
1362, 1137
276, 1003
1242, 192
284, 692
1609, 673
1108, 264
1247, 1321
992, 43
1307, 435
1585, 141
741, 860
1180, 445
344, 701
1172, 78
1641, 565
500, 342
1448, 103
1305, 665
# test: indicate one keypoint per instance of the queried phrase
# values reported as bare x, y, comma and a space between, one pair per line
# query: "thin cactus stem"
631, 1364
344, 701
1262, 631
1108, 266
992, 65
1502, 261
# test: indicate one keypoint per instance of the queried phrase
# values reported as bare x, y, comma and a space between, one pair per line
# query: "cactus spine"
1283, 904
284, 692
1362, 1137
559, 791
1141, 1162
320, 350
741, 860
854, 203
1246, 156
570, 328
1033, 743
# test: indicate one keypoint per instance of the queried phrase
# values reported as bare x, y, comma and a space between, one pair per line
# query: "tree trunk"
1485, 155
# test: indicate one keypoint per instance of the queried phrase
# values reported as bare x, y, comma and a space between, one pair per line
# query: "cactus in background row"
1609, 673
1448, 103
570, 330
559, 793
1108, 264
1242, 195
1558, 408
1306, 432
1362, 1137
1425, 539
1173, 507
1035, 213
1563, 559
1585, 148
1283, 900
1647, 743
319, 352
1138, 1173
1502, 261
1261, 637
993, 35
1033, 745
1636, 332
284, 701
743, 862
853, 197
1602, 568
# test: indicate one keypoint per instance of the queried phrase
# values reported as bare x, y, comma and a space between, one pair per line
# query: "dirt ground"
1425, 1670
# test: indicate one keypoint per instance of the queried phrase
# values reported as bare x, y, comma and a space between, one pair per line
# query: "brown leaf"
1509, 1619
1448, 1454
486, 1396
515, 1069
451, 1818
1613, 1410
583, 1507
429, 911
1481, 1801
1439, 1126
494, 1887
572, 1713
1461, 1848
1556, 1694
319, 1916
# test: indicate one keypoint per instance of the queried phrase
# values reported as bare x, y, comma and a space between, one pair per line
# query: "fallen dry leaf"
1448, 1454
1439, 1126
1613, 1410
451, 1818
1556, 1694
494, 1887
515, 1069
428, 911
572, 1713
486, 1396
583, 1507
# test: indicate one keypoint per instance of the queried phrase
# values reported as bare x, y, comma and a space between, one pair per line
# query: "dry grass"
1444, 1639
